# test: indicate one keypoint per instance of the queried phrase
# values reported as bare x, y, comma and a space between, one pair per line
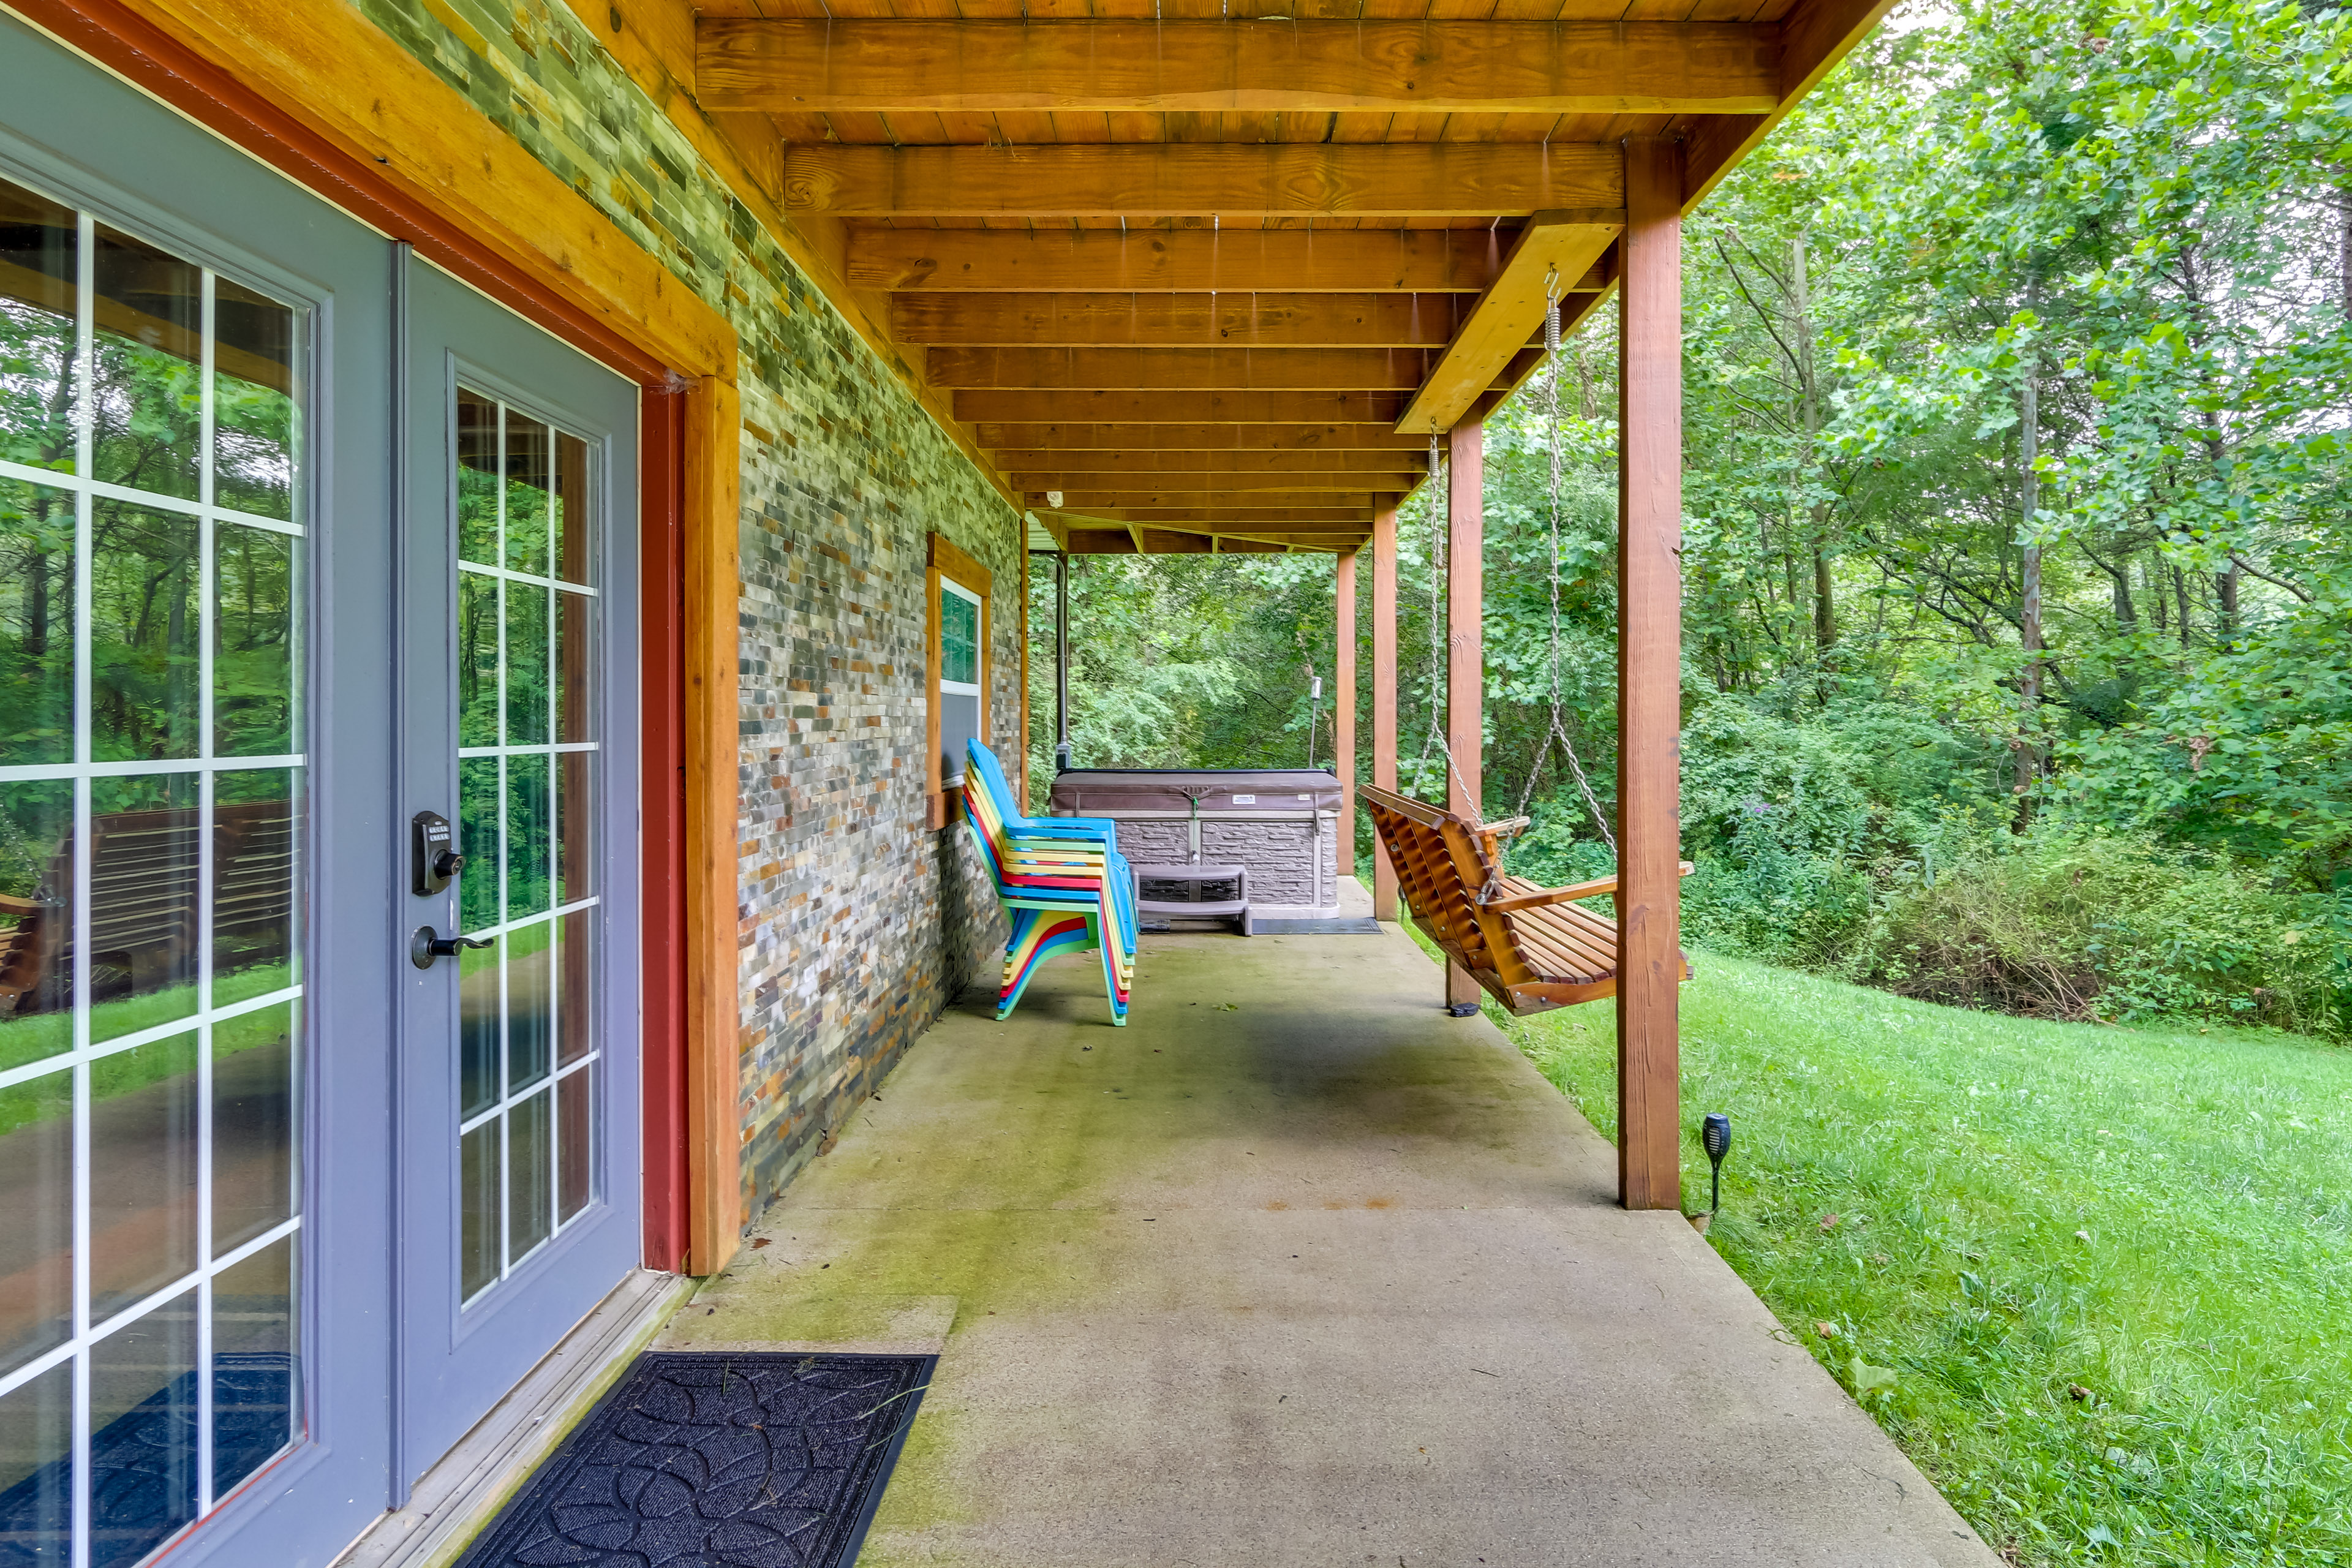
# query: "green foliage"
2251, 752
1184, 661
2092, 1281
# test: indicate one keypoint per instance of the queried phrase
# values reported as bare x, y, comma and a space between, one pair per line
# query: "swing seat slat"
1531, 947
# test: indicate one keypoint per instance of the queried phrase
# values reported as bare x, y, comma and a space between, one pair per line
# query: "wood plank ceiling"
1196, 282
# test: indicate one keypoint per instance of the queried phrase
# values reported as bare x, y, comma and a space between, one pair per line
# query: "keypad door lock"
434, 859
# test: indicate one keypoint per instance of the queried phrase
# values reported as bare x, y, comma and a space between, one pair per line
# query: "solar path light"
1714, 1135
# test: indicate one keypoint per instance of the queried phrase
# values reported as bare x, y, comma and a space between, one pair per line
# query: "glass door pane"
528, 759
151, 804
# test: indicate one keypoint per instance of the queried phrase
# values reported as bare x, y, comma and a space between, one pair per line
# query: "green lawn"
2110, 1270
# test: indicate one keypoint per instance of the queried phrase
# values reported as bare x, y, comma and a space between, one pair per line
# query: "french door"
520, 1204
299, 540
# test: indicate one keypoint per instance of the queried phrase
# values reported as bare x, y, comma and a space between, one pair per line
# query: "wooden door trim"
945, 559
317, 91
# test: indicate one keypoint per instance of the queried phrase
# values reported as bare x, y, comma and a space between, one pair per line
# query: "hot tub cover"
1108, 792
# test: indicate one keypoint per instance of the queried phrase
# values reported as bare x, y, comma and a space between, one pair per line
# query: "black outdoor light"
1714, 1135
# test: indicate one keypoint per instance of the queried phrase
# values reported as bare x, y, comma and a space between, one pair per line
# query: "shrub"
2081, 926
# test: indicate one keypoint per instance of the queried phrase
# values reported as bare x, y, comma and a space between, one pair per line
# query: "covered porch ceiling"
1199, 283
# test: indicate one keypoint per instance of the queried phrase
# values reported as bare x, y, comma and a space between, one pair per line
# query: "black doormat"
1345, 925
718, 1459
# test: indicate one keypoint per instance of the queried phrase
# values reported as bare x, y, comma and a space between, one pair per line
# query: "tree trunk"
2344, 244
1824, 606
2180, 597
2028, 611
2225, 595
39, 566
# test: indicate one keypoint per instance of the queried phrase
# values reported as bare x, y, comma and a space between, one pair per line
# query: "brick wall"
857, 926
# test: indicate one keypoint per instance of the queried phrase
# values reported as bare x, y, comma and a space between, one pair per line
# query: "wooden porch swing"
1530, 947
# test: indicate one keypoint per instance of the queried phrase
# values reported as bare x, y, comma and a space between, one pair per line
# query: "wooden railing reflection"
146, 902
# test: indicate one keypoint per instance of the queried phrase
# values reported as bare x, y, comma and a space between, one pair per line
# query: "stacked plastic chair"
1062, 881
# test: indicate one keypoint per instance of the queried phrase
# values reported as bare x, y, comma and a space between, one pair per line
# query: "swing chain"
1439, 531
1558, 726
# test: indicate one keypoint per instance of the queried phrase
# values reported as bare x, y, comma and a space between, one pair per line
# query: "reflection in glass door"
528, 760
151, 777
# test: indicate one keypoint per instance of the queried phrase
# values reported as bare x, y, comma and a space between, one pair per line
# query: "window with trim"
956, 688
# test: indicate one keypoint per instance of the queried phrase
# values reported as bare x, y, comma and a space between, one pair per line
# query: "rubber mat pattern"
709, 1459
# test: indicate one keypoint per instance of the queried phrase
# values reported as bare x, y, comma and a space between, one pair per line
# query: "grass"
50, 1096
2110, 1270
36, 1036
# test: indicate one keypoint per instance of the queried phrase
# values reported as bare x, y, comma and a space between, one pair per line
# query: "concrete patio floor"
1296, 1269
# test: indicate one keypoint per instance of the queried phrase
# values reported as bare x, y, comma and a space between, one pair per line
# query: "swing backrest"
1532, 947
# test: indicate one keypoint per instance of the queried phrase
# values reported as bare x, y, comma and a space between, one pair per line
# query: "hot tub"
1282, 823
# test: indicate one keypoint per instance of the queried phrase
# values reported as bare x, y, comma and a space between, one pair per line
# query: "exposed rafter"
992, 405
1166, 539
1238, 370
1424, 179
1294, 518
1148, 460
1179, 320
985, 67
1207, 504
1193, 486
1201, 438
1395, 260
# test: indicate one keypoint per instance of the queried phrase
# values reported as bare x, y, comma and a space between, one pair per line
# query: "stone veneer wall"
858, 925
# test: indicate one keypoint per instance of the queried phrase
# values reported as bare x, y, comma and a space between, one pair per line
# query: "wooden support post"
1466, 665
1384, 692
1649, 681
1022, 690
1061, 660
714, 1006
1343, 704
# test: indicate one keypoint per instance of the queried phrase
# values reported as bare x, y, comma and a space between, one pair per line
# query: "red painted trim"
150, 59
662, 735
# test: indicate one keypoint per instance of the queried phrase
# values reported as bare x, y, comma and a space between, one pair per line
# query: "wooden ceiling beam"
1196, 370
1175, 539
1499, 325
1171, 439
1147, 460
1295, 519
1179, 320
1198, 490
1081, 482
1149, 179
834, 65
1202, 260
1123, 499
996, 406
1815, 36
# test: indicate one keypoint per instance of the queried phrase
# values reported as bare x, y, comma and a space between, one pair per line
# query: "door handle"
426, 945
